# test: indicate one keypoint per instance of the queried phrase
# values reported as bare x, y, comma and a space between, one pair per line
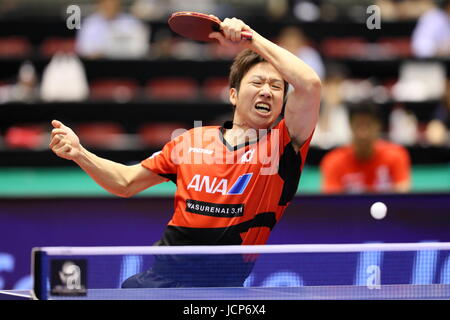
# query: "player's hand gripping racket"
197, 26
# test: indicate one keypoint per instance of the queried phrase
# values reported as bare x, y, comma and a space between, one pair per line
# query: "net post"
39, 272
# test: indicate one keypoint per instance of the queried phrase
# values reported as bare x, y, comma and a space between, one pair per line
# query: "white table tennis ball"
378, 210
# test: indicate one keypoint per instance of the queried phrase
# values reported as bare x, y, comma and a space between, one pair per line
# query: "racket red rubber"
197, 26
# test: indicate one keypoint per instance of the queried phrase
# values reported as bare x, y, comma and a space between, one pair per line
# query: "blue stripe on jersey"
241, 183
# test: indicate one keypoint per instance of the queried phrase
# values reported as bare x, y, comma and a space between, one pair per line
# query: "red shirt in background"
343, 172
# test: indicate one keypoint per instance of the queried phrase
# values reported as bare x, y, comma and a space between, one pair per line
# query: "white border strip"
16, 293
245, 249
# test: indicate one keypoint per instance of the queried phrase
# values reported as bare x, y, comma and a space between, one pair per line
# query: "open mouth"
262, 107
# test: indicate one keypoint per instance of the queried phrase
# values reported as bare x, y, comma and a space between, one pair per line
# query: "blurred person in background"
403, 125
26, 89
402, 10
368, 164
431, 36
333, 127
112, 33
438, 129
293, 39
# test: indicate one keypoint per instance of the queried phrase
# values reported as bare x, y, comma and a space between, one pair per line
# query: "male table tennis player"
222, 203
368, 164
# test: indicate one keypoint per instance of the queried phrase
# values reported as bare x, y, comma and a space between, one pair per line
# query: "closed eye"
276, 87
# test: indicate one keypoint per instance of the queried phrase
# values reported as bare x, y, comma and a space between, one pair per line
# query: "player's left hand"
231, 33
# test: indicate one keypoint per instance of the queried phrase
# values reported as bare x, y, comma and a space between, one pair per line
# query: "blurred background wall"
125, 82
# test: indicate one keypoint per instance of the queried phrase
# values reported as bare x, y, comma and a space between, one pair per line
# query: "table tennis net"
73, 271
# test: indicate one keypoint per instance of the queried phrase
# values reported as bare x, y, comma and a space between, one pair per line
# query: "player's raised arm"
119, 179
303, 102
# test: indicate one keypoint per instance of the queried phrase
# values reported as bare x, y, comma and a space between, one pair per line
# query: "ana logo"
216, 185
248, 156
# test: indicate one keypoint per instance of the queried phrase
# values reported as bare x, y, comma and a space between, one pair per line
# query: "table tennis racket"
197, 26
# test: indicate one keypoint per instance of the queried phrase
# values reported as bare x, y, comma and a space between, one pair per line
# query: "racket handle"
247, 35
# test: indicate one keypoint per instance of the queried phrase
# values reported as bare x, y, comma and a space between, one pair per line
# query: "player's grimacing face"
259, 100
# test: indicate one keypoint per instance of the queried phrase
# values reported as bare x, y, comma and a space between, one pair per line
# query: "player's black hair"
242, 64
364, 108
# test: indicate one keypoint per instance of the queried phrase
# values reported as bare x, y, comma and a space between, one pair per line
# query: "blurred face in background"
109, 8
366, 130
292, 39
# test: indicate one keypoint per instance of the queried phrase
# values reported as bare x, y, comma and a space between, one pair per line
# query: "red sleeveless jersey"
228, 195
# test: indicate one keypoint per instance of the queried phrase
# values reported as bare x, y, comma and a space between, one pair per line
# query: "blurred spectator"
162, 45
160, 10
9, 7
402, 10
64, 79
293, 39
150, 10
431, 36
403, 126
389, 9
368, 164
277, 9
420, 81
112, 33
26, 87
438, 129
333, 127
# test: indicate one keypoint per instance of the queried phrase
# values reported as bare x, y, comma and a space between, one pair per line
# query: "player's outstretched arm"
119, 179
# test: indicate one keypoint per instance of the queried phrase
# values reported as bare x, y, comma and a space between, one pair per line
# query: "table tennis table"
384, 292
